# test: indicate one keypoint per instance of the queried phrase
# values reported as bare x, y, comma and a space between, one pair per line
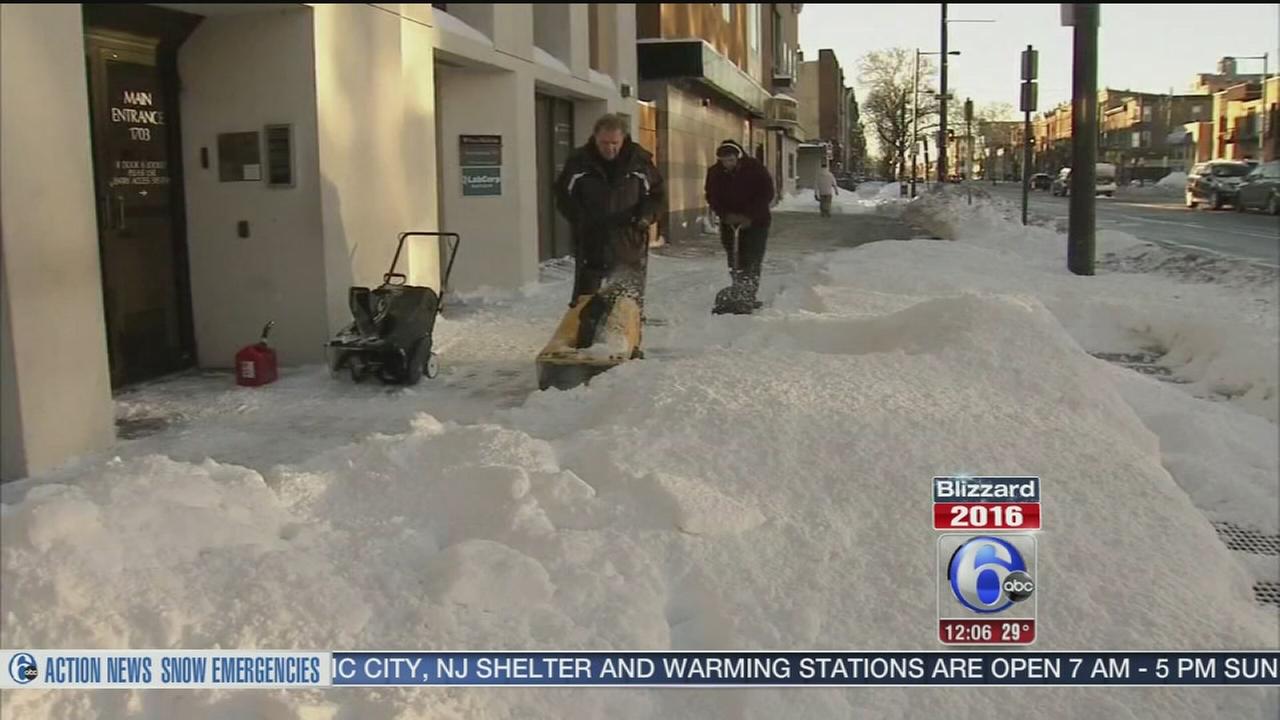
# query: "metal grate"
1267, 593
1247, 539
1146, 362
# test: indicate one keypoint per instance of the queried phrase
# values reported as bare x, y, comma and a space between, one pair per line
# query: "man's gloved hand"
642, 224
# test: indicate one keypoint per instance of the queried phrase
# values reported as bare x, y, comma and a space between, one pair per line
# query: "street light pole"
1081, 227
915, 122
942, 104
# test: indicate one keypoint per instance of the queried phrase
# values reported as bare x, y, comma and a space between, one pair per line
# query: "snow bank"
869, 200
763, 485
1222, 338
1171, 185
757, 494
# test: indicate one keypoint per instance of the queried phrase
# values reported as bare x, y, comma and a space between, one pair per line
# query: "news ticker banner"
146, 669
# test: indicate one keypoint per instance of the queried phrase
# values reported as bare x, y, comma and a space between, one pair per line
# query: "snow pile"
1222, 341
851, 203
1171, 185
871, 189
1176, 181
663, 507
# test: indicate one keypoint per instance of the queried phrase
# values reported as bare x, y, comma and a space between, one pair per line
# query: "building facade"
204, 169
703, 67
782, 111
824, 102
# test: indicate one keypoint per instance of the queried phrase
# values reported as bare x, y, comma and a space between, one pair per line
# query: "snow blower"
390, 336
598, 332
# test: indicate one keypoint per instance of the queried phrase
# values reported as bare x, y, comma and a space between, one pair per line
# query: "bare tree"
889, 78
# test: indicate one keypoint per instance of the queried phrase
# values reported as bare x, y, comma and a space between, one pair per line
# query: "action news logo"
23, 668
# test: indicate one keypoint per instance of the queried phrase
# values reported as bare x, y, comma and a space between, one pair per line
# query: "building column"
498, 230
55, 387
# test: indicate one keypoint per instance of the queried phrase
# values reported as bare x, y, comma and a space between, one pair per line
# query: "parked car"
846, 181
1261, 189
1041, 181
1216, 182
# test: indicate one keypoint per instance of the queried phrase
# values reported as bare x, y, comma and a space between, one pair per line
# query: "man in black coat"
610, 192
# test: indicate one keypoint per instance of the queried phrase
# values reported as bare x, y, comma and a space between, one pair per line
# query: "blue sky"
1141, 47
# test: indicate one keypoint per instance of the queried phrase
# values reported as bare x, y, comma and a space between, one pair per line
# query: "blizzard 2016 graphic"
987, 589
986, 503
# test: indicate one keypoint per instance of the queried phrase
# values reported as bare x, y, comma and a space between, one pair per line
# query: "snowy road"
1165, 220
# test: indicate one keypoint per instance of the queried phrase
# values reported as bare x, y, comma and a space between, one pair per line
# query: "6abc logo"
989, 574
23, 668
987, 578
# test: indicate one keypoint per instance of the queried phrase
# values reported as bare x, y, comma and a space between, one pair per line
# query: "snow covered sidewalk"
760, 483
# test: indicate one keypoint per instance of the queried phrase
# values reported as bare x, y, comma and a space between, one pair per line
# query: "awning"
698, 61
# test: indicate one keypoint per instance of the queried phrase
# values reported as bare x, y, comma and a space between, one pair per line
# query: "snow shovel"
737, 299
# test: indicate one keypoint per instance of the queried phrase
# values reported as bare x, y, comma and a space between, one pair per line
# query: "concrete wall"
688, 136
500, 232
55, 388
278, 272
374, 97
807, 90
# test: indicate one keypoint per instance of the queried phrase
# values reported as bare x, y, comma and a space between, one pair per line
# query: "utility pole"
1084, 138
942, 104
1030, 69
968, 147
915, 122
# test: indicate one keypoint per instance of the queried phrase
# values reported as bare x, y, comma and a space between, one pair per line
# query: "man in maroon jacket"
740, 190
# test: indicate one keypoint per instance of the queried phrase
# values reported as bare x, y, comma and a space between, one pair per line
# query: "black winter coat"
603, 201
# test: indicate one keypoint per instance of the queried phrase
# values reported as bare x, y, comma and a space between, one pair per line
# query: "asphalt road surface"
1167, 221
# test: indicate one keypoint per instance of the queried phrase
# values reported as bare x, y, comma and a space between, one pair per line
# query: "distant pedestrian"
824, 188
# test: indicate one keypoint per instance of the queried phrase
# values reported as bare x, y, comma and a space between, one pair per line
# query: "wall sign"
239, 157
480, 159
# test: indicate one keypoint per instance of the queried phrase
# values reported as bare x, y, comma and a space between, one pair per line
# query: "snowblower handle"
737, 231
266, 330
448, 269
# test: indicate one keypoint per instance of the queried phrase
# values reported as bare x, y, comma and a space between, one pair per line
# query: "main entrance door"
139, 194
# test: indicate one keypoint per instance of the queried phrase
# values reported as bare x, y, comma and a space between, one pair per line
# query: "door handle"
104, 205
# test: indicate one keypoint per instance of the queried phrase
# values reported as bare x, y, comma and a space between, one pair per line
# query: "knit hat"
730, 147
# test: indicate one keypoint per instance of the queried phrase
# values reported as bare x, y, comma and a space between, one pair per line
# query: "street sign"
1069, 15
1030, 64
1029, 96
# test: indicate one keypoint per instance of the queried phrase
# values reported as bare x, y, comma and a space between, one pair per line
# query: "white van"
1105, 179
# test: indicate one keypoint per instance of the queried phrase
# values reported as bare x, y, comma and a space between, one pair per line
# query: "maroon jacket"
748, 190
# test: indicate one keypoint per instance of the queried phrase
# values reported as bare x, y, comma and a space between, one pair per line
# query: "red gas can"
256, 364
